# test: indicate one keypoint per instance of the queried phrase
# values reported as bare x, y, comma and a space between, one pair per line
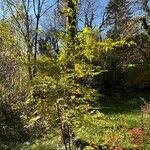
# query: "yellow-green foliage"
6, 38
8, 43
68, 77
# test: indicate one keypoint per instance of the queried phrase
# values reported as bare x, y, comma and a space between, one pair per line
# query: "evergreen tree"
118, 15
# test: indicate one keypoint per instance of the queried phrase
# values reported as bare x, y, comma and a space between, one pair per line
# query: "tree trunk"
72, 18
35, 46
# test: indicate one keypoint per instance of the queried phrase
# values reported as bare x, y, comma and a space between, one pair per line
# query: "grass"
113, 125
120, 114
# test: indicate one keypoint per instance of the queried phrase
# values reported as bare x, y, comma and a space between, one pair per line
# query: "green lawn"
112, 125
120, 114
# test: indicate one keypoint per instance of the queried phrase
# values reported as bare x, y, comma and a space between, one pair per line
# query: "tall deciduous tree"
26, 15
88, 11
72, 6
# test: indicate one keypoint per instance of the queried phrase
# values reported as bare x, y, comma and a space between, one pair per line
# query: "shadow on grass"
123, 102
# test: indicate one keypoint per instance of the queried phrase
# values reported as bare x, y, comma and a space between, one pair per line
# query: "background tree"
118, 14
88, 11
28, 24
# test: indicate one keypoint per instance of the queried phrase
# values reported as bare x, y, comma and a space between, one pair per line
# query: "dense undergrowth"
112, 128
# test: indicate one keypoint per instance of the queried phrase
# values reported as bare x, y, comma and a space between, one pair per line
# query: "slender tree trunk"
35, 47
72, 18
29, 55
29, 52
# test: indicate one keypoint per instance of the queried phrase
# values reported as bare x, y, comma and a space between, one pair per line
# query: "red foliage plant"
118, 148
137, 136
